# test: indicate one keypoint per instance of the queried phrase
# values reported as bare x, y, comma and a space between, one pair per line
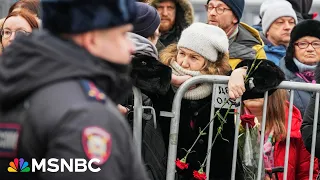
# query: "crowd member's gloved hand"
178, 80
236, 85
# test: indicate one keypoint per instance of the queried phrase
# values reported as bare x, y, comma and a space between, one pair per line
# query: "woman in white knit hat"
202, 49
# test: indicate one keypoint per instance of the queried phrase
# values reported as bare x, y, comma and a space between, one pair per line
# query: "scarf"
200, 92
306, 72
143, 46
232, 34
169, 37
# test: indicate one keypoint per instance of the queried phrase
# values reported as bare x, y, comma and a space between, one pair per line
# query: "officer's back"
58, 90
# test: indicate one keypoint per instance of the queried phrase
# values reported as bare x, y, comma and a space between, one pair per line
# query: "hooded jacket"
247, 45
302, 8
274, 53
184, 17
45, 74
299, 157
308, 118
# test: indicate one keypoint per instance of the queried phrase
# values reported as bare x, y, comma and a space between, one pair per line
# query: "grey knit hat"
204, 39
275, 11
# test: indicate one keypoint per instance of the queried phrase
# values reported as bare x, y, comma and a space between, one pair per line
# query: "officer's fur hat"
265, 78
78, 16
305, 28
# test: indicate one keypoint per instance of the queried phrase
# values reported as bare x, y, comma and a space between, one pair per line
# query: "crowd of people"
66, 76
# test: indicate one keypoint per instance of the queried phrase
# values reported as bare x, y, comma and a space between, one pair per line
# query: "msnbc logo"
18, 165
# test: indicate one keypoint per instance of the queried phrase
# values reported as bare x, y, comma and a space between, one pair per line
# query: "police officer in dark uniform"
58, 93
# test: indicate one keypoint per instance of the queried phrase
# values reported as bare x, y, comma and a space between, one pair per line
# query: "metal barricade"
175, 115
138, 109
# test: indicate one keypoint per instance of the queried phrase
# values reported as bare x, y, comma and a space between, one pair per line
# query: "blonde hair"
220, 67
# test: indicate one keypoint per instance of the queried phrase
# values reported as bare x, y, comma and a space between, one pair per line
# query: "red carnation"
247, 119
181, 164
199, 175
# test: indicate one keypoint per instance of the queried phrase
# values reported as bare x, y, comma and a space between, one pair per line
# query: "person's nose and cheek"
165, 11
310, 48
287, 26
185, 62
132, 47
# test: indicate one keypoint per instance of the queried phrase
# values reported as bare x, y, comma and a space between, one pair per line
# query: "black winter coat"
308, 118
152, 78
61, 118
195, 115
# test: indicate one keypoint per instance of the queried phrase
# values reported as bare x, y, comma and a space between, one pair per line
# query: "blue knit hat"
147, 21
236, 7
78, 16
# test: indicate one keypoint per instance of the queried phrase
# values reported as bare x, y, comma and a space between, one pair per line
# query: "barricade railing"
138, 110
175, 119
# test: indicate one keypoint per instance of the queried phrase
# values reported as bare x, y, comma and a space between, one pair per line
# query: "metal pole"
176, 107
235, 145
263, 127
210, 131
137, 118
286, 159
314, 135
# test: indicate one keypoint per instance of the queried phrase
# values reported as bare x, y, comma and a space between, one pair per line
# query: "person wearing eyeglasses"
245, 41
302, 56
17, 22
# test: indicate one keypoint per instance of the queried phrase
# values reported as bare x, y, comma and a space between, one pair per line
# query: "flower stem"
201, 132
218, 133
248, 74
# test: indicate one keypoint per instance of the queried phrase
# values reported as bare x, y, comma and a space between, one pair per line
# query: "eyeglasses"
304, 44
6, 33
219, 9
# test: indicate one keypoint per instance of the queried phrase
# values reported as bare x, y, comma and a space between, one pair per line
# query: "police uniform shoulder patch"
92, 91
96, 143
9, 138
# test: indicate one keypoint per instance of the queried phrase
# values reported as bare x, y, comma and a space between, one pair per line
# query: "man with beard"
58, 90
277, 24
175, 16
245, 42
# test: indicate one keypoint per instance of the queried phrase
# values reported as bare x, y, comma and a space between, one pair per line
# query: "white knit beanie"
266, 3
206, 40
275, 11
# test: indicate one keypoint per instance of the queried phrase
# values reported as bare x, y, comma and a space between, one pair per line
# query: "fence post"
263, 128
235, 145
137, 118
314, 135
286, 159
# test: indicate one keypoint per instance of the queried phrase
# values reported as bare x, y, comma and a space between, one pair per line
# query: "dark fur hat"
265, 78
78, 16
305, 28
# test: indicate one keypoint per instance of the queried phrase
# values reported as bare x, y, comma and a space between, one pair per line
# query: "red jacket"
299, 157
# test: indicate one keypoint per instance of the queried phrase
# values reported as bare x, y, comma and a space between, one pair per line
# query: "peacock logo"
18, 165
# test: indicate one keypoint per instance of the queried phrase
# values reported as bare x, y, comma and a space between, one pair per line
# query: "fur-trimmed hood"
184, 10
